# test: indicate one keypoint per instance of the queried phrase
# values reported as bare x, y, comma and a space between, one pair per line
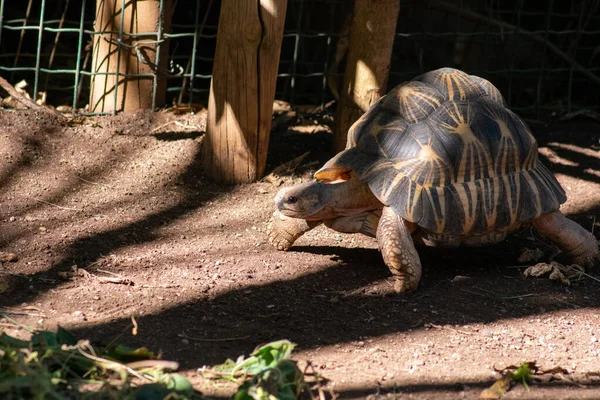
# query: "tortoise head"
302, 201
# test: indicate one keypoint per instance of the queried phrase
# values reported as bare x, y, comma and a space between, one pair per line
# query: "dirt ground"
112, 217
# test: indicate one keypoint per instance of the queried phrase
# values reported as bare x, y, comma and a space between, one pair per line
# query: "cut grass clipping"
54, 365
267, 374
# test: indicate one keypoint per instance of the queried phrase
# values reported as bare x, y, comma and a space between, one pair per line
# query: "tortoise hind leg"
398, 251
570, 237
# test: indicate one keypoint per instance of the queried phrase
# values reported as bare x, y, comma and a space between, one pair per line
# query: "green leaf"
151, 391
45, 338
180, 385
10, 341
268, 355
523, 374
65, 337
290, 372
176, 384
286, 393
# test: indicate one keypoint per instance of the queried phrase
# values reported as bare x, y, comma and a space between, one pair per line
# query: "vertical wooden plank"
242, 89
108, 57
369, 56
273, 19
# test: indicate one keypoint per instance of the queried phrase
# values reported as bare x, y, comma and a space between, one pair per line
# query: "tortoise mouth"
291, 211
296, 207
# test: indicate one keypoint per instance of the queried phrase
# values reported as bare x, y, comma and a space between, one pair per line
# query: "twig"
27, 102
58, 31
162, 126
440, 327
20, 312
590, 276
187, 67
56, 205
16, 61
186, 126
108, 363
15, 95
164, 286
110, 273
505, 25
487, 293
16, 324
230, 339
92, 183
123, 281
567, 302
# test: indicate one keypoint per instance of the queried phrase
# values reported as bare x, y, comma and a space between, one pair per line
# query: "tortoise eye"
292, 199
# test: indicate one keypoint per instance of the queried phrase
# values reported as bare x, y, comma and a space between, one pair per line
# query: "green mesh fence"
543, 56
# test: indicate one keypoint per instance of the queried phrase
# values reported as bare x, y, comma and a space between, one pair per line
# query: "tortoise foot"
588, 254
405, 283
570, 237
283, 231
398, 251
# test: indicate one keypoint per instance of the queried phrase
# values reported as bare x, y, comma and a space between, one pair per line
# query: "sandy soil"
125, 198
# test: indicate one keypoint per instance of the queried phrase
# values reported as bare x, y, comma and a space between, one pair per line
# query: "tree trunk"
130, 58
371, 39
242, 89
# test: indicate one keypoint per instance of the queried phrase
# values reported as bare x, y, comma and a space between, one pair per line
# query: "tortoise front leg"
570, 237
283, 231
398, 251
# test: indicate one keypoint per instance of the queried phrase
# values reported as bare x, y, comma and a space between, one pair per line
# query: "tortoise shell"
444, 152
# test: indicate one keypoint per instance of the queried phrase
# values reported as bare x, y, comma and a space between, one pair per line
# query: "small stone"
80, 315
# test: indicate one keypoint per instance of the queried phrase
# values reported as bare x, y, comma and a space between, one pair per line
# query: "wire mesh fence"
543, 56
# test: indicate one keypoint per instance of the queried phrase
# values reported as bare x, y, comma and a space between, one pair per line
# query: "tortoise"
439, 161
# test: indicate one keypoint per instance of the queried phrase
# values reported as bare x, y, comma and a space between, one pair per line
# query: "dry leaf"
499, 388
556, 271
280, 106
555, 370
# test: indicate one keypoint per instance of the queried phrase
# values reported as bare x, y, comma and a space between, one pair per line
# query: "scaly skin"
350, 207
570, 237
398, 251
284, 231
347, 207
315, 201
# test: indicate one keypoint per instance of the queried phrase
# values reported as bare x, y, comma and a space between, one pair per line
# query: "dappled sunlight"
576, 149
76, 178
130, 228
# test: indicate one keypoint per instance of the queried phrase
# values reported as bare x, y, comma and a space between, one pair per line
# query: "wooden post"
371, 39
131, 57
242, 89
